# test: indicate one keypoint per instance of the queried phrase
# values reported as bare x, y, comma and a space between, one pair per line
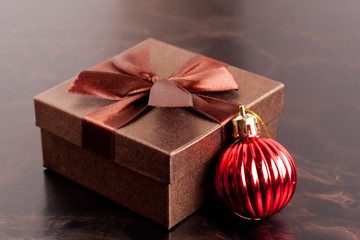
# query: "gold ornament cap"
245, 124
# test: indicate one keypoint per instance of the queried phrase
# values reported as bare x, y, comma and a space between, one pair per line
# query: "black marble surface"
311, 46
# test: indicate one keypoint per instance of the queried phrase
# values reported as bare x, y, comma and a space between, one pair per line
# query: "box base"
166, 204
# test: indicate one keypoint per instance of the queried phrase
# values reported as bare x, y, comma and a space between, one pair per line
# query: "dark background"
312, 46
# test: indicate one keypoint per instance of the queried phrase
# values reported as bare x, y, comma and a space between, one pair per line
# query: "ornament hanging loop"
246, 124
259, 118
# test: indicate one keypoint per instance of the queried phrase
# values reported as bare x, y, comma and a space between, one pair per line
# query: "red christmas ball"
255, 177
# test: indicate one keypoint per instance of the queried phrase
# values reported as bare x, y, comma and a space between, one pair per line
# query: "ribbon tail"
99, 127
218, 110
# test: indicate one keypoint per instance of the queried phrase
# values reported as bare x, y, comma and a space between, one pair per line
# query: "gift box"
160, 163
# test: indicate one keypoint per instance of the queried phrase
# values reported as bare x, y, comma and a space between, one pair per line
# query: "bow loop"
136, 63
108, 85
204, 74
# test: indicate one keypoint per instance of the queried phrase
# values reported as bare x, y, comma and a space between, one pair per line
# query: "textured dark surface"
311, 46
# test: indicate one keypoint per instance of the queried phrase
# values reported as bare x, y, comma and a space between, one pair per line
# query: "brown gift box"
162, 166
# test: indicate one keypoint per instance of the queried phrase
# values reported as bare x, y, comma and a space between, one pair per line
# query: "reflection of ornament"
256, 176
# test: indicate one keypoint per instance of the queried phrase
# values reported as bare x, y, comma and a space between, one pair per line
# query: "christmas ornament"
256, 176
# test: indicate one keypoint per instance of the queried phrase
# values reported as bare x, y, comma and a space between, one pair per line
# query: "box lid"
164, 143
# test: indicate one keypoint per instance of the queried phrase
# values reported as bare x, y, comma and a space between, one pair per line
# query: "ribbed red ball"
256, 177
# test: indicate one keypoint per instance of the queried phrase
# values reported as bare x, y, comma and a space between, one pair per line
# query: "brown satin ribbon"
130, 79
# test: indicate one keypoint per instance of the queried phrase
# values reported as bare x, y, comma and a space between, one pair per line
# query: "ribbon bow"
130, 79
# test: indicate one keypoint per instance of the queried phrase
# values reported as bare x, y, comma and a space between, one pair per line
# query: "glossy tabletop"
310, 46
